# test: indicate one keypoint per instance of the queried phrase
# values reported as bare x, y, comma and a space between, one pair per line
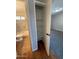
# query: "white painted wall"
40, 22
56, 5
57, 21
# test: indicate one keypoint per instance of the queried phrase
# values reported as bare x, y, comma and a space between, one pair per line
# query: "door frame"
30, 8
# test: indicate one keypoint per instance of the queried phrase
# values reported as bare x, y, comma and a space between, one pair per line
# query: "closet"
40, 6
39, 14
40, 21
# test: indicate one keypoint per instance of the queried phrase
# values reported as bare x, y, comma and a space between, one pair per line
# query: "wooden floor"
39, 54
23, 49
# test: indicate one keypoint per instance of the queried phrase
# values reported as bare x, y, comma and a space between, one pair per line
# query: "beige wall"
21, 25
20, 7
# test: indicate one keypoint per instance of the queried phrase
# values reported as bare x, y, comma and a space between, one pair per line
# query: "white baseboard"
34, 49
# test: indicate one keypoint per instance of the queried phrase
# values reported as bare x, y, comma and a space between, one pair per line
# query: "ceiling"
57, 6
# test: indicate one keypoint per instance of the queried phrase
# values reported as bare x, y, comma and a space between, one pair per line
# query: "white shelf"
40, 3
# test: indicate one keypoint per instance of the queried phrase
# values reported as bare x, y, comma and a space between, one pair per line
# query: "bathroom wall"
57, 21
56, 43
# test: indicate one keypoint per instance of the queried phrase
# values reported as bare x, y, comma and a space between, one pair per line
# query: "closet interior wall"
40, 19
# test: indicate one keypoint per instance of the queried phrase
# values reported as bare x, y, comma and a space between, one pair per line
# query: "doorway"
23, 43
